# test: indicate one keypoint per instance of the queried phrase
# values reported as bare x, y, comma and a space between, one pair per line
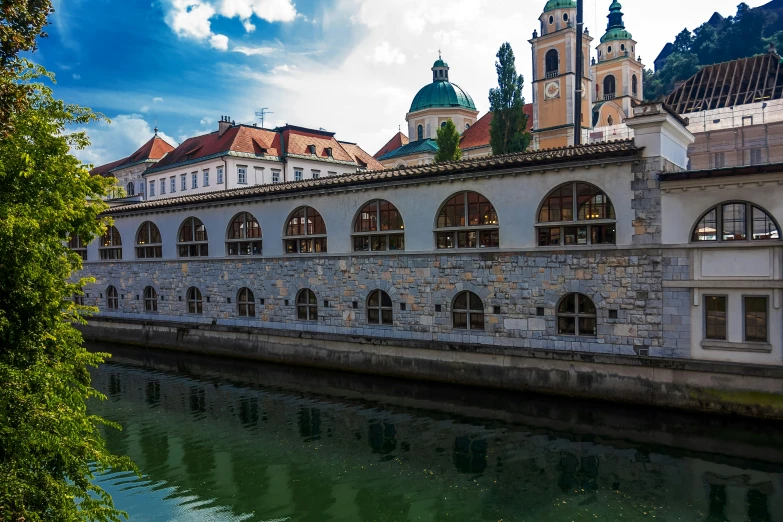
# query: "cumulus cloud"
190, 18
157, 99
219, 42
285, 68
384, 53
254, 51
268, 10
145, 109
118, 139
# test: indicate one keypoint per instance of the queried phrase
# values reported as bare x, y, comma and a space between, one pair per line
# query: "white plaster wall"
682, 209
324, 167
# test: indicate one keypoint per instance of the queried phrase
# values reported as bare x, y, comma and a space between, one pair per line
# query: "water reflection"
293, 443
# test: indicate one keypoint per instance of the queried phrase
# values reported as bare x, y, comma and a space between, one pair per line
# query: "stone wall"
520, 293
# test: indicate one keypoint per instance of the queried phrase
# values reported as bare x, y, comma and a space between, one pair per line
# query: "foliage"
448, 143
21, 22
508, 130
748, 33
49, 445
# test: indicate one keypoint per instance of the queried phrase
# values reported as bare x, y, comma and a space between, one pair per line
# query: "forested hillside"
747, 33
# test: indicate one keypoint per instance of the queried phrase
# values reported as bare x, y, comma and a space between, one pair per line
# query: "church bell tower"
554, 76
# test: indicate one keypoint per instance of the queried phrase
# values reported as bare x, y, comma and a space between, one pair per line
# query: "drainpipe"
225, 172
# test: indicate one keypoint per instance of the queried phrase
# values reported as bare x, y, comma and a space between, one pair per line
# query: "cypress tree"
508, 130
448, 143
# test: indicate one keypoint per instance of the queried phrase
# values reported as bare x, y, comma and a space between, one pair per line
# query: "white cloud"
190, 18
157, 99
118, 139
254, 51
206, 121
268, 10
384, 53
145, 109
219, 42
76, 76
248, 25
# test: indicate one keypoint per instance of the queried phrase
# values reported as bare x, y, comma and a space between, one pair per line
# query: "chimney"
223, 124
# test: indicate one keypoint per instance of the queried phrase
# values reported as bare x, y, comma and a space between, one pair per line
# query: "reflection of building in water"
258, 449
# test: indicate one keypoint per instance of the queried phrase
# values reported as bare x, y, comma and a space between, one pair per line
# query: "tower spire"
615, 16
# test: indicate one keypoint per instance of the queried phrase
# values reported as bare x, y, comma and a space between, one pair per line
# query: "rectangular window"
330, 173
715, 313
275, 176
755, 156
747, 120
194, 180
719, 160
206, 177
184, 181
298, 175
162, 187
220, 175
141, 188
316, 174
152, 188
756, 319
242, 175
173, 183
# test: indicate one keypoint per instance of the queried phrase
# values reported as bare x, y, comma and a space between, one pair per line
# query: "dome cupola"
551, 5
616, 28
441, 93
440, 70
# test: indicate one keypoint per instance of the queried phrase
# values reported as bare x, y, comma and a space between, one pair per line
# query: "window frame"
548, 71
162, 186
463, 232
192, 247
745, 318
241, 174
705, 332
194, 180
577, 315
152, 188
184, 182
173, 184
219, 171
317, 243
246, 245
150, 296
606, 224
719, 229
248, 304
609, 95
368, 239
195, 301
205, 181
155, 248
309, 306
298, 174
380, 308
77, 245
469, 312
130, 189
112, 301
110, 251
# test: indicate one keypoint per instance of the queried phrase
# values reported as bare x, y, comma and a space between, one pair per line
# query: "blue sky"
350, 66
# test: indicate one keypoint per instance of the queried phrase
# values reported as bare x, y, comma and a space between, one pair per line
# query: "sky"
348, 66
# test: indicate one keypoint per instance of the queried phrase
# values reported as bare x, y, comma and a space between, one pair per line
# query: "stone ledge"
737, 347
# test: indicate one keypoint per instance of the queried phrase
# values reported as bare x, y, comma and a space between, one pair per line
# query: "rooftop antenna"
262, 114
156, 124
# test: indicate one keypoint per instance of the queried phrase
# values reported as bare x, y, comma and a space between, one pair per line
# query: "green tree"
448, 143
508, 130
49, 446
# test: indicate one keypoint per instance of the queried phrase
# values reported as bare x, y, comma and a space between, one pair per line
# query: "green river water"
221, 440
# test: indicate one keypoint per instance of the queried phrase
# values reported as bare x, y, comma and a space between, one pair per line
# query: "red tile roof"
478, 134
155, 149
397, 141
298, 141
361, 157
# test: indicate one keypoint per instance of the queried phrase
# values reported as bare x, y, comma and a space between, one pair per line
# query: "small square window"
326, 304
496, 310
179, 298
356, 305
207, 298
137, 297
540, 312
403, 306
438, 308
286, 302
261, 301
612, 314
228, 300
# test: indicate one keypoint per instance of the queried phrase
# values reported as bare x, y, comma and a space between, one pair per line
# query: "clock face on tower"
551, 90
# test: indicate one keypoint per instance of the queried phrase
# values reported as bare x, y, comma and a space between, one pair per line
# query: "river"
222, 440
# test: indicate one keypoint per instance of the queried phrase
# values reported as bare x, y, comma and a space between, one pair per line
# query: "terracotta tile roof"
298, 142
478, 134
361, 157
596, 151
238, 138
154, 149
397, 141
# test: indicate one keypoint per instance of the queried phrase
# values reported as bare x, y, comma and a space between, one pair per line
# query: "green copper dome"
442, 94
440, 63
559, 4
616, 28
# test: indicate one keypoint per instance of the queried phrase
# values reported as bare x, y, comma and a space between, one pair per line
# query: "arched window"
112, 299
379, 308
193, 238
246, 303
378, 227
552, 63
635, 85
78, 246
735, 221
130, 189
148, 242
576, 315
443, 125
576, 214
467, 220
305, 232
111, 244
244, 236
610, 87
306, 305
467, 312
467, 126
150, 300
420, 132
195, 301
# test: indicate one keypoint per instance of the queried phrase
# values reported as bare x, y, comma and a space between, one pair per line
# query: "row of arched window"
573, 214
576, 313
